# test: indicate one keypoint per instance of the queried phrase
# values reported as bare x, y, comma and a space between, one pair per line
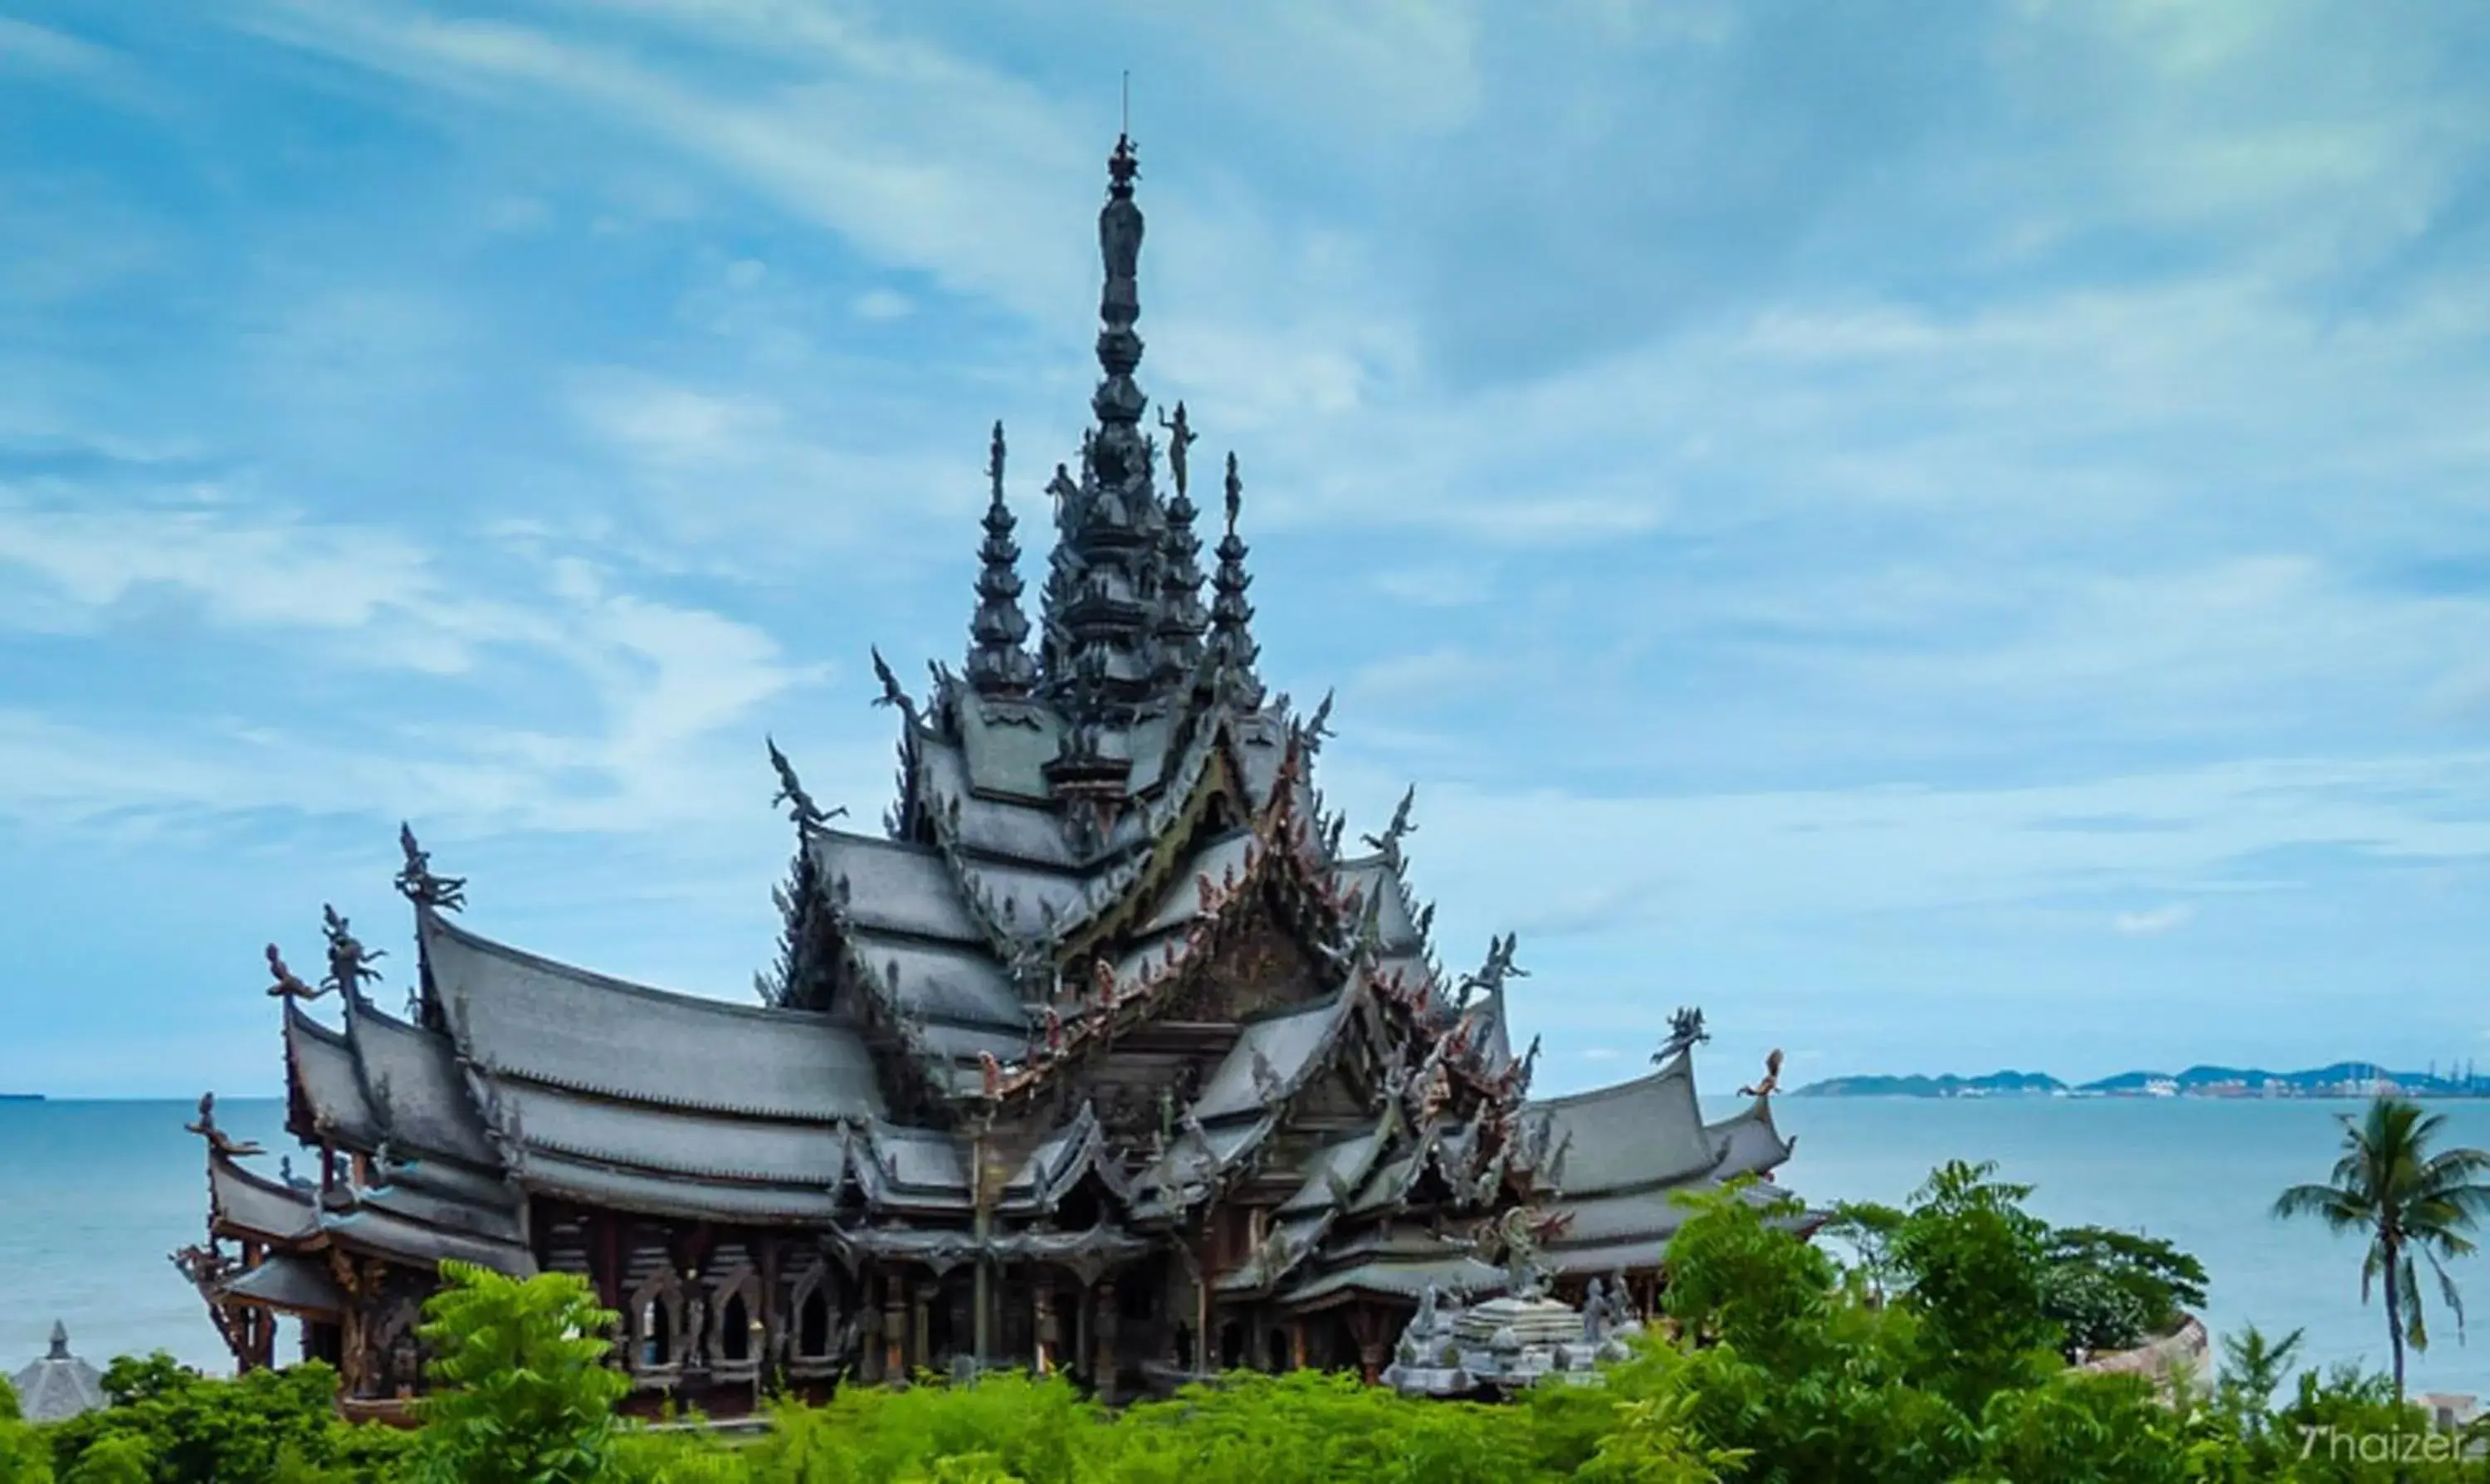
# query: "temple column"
920, 1335
1367, 1327
1297, 1345
1042, 1335
1103, 1330
982, 1325
894, 1329
1082, 1356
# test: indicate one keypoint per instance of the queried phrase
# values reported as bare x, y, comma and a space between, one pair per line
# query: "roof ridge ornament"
288, 985
350, 963
1685, 1032
1389, 842
415, 881
806, 816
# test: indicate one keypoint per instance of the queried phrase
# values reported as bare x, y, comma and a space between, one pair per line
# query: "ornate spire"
998, 665
1119, 400
1232, 650
1101, 598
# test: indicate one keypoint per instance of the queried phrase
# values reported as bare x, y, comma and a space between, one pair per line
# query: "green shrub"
521, 1391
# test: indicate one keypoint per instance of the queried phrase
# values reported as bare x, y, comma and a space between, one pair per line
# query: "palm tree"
2253, 1364
2406, 1197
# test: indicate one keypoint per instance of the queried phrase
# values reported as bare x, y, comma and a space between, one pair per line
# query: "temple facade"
1107, 1055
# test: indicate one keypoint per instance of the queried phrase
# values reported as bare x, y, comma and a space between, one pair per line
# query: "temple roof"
515, 1015
1101, 821
60, 1386
1634, 1135
288, 1283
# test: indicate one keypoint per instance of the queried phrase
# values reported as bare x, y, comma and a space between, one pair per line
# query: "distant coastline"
2341, 1079
21, 1097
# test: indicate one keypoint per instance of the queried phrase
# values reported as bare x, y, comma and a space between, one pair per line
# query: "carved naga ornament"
417, 883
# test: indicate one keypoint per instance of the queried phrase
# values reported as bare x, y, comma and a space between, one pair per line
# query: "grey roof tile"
390, 1235
895, 888
943, 982
1644, 1132
60, 1386
412, 1080
331, 1090
290, 1284
1287, 1043
245, 1204
564, 1026
671, 1195
670, 1141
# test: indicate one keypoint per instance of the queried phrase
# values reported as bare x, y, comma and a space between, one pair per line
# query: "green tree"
24, 1456
1977, 1268
124, 1458
521, 1391
192, 1429
1868, 1228
2253, 1364
2395, 1184
2164, 1281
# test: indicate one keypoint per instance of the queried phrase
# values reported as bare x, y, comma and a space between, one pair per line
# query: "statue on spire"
1231, 642
1181, 437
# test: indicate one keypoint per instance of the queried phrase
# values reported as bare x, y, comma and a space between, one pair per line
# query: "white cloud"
883, 303
1570, 863
667, 683
2155, 923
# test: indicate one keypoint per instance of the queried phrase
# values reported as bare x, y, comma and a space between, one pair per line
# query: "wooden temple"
1106, 1056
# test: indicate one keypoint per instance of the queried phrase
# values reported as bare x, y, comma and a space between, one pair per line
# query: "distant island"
21, 1097
2342, 1079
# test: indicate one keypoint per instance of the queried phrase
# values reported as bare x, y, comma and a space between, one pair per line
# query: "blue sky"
1951, 535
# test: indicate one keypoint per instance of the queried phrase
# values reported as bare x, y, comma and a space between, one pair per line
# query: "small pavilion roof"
60, 1386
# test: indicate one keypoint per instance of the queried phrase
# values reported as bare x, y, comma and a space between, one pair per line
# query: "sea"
94, 1195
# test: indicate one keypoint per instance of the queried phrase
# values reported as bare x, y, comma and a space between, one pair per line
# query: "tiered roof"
1086, 840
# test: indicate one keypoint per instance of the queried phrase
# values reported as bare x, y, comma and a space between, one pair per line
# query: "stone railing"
2187, 1350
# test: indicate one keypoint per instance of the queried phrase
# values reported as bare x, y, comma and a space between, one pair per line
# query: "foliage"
2162, 1281
24, 1456
1777, 1366
174, 1426
1976, 1263
2082, 1429
1021, 1428
1868, 1229
2096, 1315
522, 1394
2253, 1365
2395, 1185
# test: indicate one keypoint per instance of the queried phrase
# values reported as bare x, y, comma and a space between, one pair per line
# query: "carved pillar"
1082, 1356
1297, 1345
1367, 1327
1043, 1340
982, 1292
1201, 1336
1103, 1330
895, 1328
870, 1351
